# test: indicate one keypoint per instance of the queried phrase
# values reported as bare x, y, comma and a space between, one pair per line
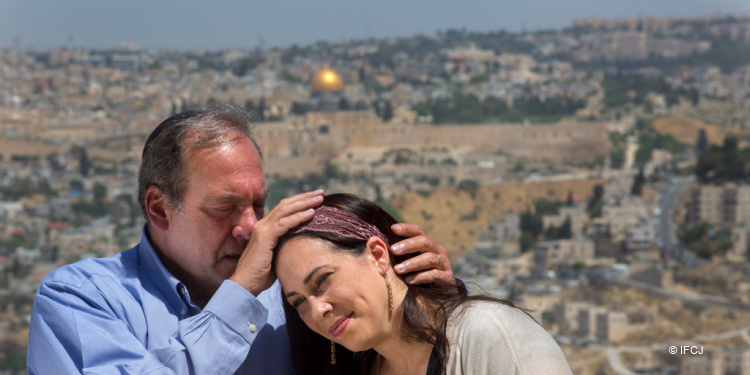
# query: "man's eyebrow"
236, 198
307, 279
227, 197
264, 194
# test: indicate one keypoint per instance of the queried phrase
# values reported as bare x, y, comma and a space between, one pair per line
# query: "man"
196, 295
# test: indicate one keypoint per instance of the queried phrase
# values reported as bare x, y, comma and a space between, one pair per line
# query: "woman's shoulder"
504, 335
479, 311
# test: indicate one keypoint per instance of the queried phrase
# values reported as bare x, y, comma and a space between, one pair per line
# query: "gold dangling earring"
390, 293
333, 353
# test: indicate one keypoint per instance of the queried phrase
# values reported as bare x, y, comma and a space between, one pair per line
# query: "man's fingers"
407, 230
297, 203
291, 212
425, 277
430, 266
422, 262
291, 221
426, 268
418, 244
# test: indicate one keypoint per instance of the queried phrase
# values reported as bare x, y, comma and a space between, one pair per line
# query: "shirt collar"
167, 283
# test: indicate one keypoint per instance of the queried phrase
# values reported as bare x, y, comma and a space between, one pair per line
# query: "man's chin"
233, 259
228, 265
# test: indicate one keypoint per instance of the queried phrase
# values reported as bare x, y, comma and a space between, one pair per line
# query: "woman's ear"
377, 251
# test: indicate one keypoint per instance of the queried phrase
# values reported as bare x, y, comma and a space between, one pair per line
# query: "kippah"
166, 124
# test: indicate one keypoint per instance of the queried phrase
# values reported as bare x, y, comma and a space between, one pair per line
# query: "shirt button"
182, 312
251, 327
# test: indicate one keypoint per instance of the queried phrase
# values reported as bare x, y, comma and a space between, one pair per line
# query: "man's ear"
377, 251
156, 208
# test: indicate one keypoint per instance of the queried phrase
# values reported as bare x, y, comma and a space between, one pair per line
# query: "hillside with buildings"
596, 174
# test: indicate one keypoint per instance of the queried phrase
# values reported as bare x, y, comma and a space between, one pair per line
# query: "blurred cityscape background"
593, 169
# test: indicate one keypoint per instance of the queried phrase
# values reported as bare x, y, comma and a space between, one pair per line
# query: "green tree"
344, 104
244, 65
616, 158
387, 113
532, 224
469, 186
638, 182
566, 229
84, 164
479, 78
76, 185
527, 241
100, 191
422, 109
512, 115
298, 108
723, 164
595, 204
262, 110
702, 143
644, 153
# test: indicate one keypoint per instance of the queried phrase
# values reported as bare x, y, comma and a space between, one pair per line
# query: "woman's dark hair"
424, 311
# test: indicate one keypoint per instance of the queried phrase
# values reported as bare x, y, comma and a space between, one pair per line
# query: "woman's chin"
356, 347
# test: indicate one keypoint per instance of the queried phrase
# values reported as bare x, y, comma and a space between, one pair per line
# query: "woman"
348, 312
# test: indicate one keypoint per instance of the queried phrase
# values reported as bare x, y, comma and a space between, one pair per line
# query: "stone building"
566, 316
736, 361
549, 255
307, 142
585, 321
617, 218
720, 205
577, 216
500, 233
611, 326
710, 362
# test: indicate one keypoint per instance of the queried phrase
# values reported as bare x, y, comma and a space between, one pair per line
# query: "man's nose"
245, 224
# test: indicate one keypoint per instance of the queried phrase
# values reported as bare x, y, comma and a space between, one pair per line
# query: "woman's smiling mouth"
340, 325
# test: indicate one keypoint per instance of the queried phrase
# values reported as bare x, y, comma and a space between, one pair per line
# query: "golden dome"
327, 80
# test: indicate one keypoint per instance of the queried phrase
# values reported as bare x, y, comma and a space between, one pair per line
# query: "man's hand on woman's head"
254, 271
431, 266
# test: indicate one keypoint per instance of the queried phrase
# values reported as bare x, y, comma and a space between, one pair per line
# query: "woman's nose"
320, 308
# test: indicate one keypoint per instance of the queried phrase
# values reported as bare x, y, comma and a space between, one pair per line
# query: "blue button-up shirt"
127, 314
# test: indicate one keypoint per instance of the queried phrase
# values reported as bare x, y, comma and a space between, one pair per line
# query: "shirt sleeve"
74, 329
496, 338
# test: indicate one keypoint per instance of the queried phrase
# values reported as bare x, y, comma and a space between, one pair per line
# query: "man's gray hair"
165, 153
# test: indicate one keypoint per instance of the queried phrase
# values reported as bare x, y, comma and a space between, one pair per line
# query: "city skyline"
233, 24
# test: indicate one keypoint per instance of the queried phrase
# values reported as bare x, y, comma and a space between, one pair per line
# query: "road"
697, 300
667, 229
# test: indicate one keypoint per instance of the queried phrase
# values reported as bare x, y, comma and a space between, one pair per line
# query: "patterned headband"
337, 221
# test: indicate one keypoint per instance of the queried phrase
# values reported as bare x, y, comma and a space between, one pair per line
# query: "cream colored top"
492, 338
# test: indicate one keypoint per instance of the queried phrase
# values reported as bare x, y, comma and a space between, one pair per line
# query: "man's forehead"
236, 149
231, 196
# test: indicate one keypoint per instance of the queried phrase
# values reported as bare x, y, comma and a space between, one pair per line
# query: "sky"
248, 24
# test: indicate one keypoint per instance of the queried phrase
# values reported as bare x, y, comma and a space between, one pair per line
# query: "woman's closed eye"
297, 302
319, 284
322, 279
